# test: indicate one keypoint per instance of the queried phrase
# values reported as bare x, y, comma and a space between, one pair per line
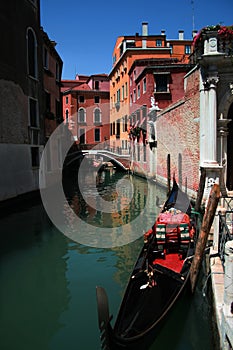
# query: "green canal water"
48, 282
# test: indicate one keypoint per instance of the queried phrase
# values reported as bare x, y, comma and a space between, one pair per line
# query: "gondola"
158, 279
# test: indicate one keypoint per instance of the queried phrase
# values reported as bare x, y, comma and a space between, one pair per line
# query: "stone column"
212, 122
203, 121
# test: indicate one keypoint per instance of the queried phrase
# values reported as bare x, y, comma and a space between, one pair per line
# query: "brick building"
86, 109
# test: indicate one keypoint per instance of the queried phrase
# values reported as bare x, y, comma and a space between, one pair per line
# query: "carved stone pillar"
212, 121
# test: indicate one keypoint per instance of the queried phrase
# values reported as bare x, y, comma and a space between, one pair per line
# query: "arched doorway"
230, 150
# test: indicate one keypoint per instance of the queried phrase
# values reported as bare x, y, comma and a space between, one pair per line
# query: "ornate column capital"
212, 81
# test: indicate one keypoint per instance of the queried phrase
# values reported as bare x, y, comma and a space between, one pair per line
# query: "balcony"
215, 40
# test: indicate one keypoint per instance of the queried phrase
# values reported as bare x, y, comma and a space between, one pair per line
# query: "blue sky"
86, 31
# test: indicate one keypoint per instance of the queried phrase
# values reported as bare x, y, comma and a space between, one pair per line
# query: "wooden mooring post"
203, 235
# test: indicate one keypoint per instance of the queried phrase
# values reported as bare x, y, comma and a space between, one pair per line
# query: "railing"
225, 231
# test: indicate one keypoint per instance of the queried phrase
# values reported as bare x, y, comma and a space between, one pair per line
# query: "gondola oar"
103, 316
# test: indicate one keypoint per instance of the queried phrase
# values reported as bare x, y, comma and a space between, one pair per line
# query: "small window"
97, 115
97, 135
123, 92
67, 100
81, 99
139, 91
134, 95
81, 115
118, 95
161, 83
97, 99
159, 42
144, 85
97, 85
130, 81
187, 49
126, 89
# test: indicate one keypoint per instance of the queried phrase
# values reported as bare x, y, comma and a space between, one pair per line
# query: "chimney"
144, 29
194, 33
181, 35
162, 32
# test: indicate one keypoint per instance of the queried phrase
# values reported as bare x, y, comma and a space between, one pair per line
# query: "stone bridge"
120, 161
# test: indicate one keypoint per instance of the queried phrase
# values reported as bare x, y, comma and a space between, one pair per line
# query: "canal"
48, 281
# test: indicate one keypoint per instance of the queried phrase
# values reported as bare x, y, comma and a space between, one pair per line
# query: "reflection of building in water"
114, 202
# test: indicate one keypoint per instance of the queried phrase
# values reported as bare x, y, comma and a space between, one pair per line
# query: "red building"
86, 109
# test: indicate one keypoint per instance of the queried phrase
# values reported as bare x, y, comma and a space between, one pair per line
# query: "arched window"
97, 115
32, 53
81, 115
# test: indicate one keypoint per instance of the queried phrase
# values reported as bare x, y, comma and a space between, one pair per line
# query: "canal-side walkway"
221, 272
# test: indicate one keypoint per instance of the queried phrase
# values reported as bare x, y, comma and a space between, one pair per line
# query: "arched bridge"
120, 161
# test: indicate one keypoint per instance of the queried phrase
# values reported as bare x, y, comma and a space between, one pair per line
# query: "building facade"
86, 109
23, 98
140, 48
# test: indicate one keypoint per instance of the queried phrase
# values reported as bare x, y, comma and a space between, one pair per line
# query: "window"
158, 42
118, 95
131, 100
118, 128
161, 83
187, 49
32, 53
171, 47
123, 92
124, 123
97, 115
126, 89
134, 74
81, 99
144, 85
67, 99
134, 95
139, 91
97, 99
46, 59
96, 85
97, 135
81, 115
130, 81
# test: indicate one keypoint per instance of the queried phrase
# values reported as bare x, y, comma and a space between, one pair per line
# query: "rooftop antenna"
192, 3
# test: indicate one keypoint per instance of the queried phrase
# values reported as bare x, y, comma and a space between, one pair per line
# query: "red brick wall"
178, 133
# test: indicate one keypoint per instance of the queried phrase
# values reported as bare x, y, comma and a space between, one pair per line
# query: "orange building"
127, 50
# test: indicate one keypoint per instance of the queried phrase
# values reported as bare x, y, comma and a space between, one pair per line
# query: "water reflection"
48, 282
